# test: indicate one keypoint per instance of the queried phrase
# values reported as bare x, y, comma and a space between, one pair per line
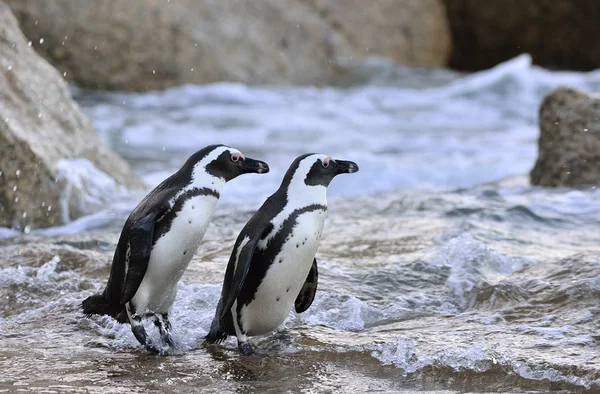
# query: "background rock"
569, 144
153, 44
410, 32
557, 33
40, 127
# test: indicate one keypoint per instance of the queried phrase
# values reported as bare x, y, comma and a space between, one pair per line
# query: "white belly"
281, 285
171, 255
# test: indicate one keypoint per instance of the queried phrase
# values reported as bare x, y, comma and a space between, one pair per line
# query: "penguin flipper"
309, 289
139, 246
241, 270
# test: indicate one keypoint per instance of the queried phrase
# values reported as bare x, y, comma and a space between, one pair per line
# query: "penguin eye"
235, 157
326, 162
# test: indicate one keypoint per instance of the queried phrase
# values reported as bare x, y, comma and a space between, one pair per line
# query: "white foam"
87, 189
474, 129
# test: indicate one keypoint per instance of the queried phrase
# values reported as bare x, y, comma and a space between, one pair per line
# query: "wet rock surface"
41, 128
569, 143
152, 44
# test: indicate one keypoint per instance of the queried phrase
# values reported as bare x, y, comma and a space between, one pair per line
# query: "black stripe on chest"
163, 223
263, 258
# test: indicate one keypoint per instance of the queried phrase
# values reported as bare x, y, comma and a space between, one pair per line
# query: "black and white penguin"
160, 237
272, 266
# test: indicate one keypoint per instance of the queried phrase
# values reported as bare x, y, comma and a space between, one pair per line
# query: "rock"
139, 45
557, 33
569, 144
41, 128
411, 32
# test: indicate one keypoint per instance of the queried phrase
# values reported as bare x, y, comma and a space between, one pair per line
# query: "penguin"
159, 238
272, 266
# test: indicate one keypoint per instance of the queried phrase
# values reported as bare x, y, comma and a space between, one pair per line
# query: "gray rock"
569, 144
153, 44
410, 32
41, 128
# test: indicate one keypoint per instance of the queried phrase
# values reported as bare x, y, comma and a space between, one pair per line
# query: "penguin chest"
172, 253
275, 296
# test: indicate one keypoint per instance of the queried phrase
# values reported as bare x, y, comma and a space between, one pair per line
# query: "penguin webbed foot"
246, 349
140, 334
164, 328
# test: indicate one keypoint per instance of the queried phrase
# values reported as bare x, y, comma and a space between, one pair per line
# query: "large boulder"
152, 44
410, 32
569, 144
557, 33
41, 128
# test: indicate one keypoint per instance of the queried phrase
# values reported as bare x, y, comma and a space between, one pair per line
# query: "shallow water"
441, 269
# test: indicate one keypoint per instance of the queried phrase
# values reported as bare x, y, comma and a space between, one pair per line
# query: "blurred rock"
410, 32
569, 144
40, 127
153, 44
557, 33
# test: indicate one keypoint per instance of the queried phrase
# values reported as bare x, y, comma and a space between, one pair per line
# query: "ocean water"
441, 268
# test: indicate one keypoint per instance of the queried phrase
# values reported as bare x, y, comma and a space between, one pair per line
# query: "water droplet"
153, 71
9, 67
29, 43
192, 69
24, 215
35, 23
585, 129
49, 208
27, 229
41, 40
43, 203
65, 74
39, 115
14, 188
95, 47
17, 199
17, 173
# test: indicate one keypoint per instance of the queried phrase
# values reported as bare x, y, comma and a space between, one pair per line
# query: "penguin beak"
345, 167
254, 166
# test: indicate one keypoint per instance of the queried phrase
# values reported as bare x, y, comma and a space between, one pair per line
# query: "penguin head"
315, 169
227, 163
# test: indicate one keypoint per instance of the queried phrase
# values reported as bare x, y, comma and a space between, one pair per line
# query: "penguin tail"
97, 304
